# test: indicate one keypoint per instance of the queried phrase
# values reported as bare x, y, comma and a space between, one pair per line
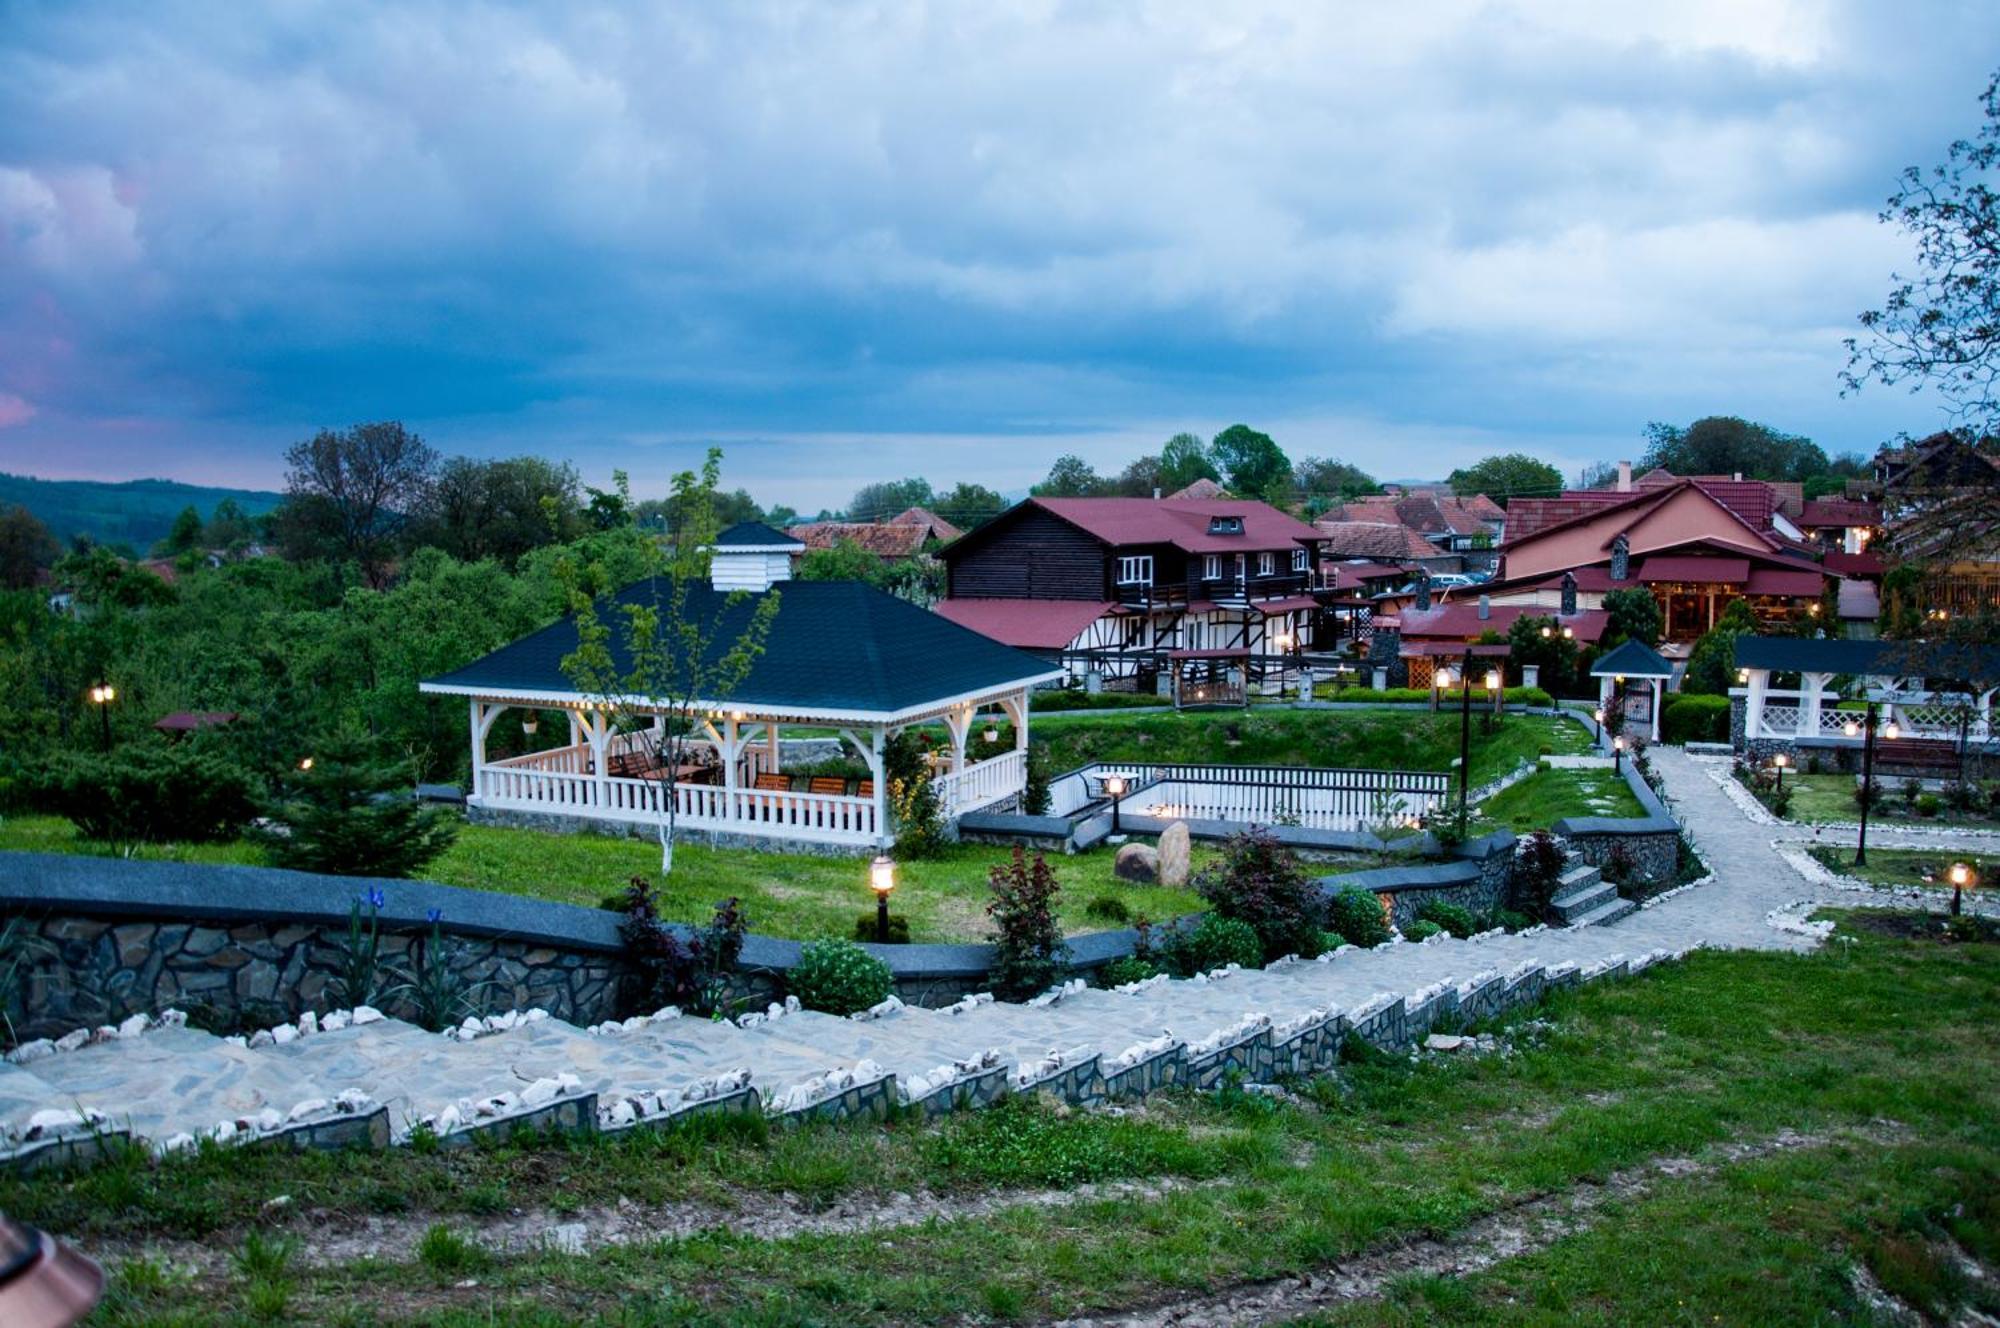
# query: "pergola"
842, 660
1633, 659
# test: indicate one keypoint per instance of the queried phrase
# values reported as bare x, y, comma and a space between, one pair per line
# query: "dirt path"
1523, 1228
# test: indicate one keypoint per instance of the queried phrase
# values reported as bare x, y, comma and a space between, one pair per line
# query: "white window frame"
1267, 564
1211, 567
1298, 560
1135, 569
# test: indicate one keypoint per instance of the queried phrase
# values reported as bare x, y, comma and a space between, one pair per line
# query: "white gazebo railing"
834, 818
983, 784
1811, 711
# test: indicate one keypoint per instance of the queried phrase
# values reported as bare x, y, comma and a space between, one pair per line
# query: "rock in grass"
1137, 862
1174, 855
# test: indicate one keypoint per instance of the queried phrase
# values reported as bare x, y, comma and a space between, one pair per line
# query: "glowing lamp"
1891, 730
1492, 680
306, 763
882, 879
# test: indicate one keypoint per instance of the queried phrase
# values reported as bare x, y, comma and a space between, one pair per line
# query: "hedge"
1695, 719
1516, 696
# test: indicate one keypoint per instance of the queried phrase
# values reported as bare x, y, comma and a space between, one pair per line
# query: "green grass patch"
796, 895
1908, 866
1547, 796
1878, 1051
1820, 798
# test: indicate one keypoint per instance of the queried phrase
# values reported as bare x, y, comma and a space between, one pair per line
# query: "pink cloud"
14, 410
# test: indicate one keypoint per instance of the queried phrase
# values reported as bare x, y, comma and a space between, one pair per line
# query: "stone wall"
92, 971
1476, 880
1651, 842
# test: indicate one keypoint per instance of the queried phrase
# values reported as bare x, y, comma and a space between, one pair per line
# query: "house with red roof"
1126, 587
1696, 545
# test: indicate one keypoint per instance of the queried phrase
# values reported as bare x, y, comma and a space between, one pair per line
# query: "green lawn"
1547, 796
785, 894
1739, 1131
1830, 797
1376, 739
1903, 866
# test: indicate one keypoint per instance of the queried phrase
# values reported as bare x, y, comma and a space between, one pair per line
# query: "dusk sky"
855, 242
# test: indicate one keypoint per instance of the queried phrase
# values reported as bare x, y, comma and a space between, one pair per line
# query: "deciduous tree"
1184, 460
354, 489
1071, 477
1514, 475
1257, 467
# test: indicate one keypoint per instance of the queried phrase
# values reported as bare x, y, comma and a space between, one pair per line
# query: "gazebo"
843, 662
1633, 659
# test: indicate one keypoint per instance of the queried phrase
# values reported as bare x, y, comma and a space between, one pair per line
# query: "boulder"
1137, 862
1174, 850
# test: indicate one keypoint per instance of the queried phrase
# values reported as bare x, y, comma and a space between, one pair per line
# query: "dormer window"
1225, 525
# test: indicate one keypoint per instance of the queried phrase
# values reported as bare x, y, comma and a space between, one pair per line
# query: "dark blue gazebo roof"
1632, 658
839, 649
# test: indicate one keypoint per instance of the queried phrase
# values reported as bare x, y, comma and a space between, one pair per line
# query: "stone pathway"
357, 1077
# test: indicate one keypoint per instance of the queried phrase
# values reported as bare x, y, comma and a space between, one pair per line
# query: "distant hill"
134, 512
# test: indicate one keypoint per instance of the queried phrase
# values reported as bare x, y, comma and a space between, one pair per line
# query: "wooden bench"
772, 782
829, 784
1938, 757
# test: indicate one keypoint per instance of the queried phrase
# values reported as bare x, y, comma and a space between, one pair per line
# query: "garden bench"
827, 784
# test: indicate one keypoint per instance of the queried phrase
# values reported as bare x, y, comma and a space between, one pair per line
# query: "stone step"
1577, 879
1607, 913
1576, 904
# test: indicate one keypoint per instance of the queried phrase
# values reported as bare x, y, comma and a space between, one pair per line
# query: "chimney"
1624, 477
1156, 493
1423, 591
1621, 556
1569, 595
1485, 607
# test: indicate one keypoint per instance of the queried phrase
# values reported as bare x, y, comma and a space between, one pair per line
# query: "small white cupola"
752, 556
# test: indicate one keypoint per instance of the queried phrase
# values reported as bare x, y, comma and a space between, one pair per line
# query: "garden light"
1891, 731
1780, 761
1114, 788
306, 763
882, 879
1569, 634
1851, 729
1492, 680
1548, 632
1961, 876
1598, 714
1617, 751
104, 694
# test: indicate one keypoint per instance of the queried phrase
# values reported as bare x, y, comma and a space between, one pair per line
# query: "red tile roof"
1202, 489
1780, 581
936, 526
1032, 624
1864, 564
1374, 540
1353, 574
881, 538
1461, 621
1839, 512
1181, 522
1694, 567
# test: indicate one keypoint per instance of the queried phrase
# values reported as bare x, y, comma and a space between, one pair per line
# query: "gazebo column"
598, 734
1813, 686
483, 714
958, 722
871, 753
730, 747
1753, 705
1659, 704
1017, 712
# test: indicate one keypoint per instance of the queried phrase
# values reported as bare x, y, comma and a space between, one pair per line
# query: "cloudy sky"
858, 241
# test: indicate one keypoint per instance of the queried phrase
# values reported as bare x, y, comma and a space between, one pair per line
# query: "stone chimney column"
1624, 477
1569, 594
1621, 557
1423, 590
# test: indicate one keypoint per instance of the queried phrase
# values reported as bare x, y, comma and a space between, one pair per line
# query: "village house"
1940, 512
1128, 588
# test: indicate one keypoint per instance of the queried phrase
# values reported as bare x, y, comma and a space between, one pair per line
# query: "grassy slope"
1881, 1051
793, 895
1547, 796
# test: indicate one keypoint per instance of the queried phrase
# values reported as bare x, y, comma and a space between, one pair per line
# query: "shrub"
1127, 968
1358, 915
1035, 793
839, 977
1028, 949
149, 792
1869, 793
1911, 788
914, 807
1962, 795
1508, 920
1329, 941
1929, 805
899, 929
1450, 917
1107, 908
1538, 867
1690, 718
1421, 930
353, 817
1217, 942
687, 967
1260, 883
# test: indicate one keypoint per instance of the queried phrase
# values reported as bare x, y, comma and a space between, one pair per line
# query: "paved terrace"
355, 1076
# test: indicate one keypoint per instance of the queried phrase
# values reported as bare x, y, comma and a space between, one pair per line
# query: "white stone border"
1936, 898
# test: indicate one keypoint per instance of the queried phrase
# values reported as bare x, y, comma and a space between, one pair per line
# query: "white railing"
833, 818
1916, 715
983, 784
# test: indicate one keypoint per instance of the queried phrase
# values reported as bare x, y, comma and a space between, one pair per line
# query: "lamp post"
1961, 876
1495, 691
1779, 762
103, 695
1868, 728
1464, 734
1114, 788
1618, 754
882, 879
